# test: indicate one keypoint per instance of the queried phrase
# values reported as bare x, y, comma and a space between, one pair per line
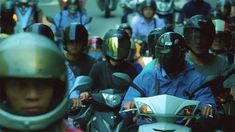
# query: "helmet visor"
192, 37
117, 48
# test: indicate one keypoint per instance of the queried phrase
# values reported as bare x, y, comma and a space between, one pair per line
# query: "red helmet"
95, 42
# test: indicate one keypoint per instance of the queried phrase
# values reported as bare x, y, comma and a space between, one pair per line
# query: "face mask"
171, 62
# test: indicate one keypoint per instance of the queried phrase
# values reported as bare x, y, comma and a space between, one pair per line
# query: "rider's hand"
84, 96
129, 105
207, 111
76, 102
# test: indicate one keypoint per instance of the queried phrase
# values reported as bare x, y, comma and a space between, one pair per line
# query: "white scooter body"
167, 110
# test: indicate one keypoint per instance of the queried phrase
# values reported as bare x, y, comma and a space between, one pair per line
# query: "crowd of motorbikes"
21, 15
166, 109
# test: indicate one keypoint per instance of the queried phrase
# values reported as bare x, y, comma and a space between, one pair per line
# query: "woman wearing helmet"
147, 21
172, 76
33, 84
199, 33
71, 15
116, 46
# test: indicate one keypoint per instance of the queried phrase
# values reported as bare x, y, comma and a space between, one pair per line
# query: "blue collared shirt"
188, 80
141, 28
67, 19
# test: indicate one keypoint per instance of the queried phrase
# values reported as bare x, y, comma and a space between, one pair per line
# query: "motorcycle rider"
222, 41
64, 5
165, 9
42, 29
199, 33
33, 85
152, 41
7, 22
172, 76
194, 7
95, 48
133, 56
26, 9
72, 15
146, 22
116, 48
75, 49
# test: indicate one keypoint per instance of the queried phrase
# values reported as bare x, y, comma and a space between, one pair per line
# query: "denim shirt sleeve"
71, 80
55, 27
204, 95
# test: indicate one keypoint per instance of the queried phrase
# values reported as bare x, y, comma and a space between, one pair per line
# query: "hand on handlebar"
129, 105
76, 102
84, 96
207, 111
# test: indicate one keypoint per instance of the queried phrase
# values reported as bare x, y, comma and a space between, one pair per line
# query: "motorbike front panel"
107, 122
163, 126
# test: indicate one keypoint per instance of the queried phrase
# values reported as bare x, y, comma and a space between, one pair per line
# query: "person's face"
73, 48
29, 97
193, 39
148, 12
218, 44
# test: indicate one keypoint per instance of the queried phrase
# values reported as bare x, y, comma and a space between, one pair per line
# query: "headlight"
187, 111
112, 100
144, 108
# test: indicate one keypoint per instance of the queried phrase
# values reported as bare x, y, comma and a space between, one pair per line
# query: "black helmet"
41, 29
74, 6
76, 33
154, 35
199, 30
125, 26
116, 44
223, 35
170, 50
225, 7
215, 14
165, 7
147, 3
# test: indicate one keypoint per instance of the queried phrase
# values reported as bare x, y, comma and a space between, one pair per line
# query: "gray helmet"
30, 56
147, 3
165, 7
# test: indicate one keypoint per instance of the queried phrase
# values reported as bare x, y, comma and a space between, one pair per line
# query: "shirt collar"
188, 67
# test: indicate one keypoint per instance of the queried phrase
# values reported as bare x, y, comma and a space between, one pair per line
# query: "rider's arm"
205, 96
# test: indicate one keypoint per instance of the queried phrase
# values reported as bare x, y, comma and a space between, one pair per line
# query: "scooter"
26, 13
167, 109
107, 6
79, 117
92, 118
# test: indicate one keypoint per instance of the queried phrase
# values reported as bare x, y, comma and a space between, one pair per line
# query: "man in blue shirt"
174, 77
194, 7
